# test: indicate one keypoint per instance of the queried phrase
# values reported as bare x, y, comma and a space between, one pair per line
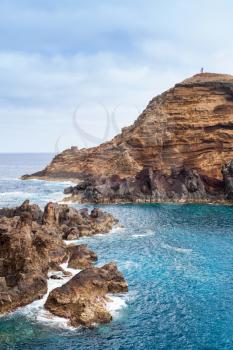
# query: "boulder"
81, 257
83, 299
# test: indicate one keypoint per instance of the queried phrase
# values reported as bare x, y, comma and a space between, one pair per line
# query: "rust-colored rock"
189, 126
31, 244
83, 299
70, 224
80, 257
33, 209
23, 269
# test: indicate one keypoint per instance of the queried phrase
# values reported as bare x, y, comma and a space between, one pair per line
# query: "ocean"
177, 259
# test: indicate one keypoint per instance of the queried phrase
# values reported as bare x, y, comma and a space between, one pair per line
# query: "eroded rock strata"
83, 299
31, 246
188, 128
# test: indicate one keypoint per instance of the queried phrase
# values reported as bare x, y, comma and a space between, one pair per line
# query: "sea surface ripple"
177, 260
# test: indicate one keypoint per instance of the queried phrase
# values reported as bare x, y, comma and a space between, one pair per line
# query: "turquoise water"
178, 262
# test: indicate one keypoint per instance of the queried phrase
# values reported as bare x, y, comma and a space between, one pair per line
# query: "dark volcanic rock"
227, 172
81, 257
181, 185
83, 299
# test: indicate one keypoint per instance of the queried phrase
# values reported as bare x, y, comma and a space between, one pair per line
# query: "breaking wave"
176, 249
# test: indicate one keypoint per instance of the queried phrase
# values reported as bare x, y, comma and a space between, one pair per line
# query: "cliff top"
188, 126
208, 77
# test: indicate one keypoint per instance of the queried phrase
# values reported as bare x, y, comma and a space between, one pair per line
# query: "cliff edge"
190, 125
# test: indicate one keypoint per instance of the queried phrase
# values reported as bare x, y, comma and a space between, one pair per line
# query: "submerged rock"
83, 299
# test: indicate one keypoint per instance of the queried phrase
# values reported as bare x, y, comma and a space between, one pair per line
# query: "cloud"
55, 56
41, 93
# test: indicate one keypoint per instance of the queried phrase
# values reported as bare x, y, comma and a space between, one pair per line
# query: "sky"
75, 72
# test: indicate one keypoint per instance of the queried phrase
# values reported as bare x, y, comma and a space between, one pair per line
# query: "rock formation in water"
184, 185
72, 224
83, 299
31, 245
189, 126
64, 221
227, 172
26, 252
33, 209
80, 257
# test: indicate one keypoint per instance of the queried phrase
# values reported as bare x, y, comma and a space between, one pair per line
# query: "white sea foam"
16, 194
68, 269
36, 310
35, 180
48, 183
65, 202
55, 196
115, 305
176, 249
139, 235
130, 264
117, 229
73, 241
146, 234
33, 196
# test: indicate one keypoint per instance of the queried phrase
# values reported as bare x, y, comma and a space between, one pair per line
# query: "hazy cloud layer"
104, 59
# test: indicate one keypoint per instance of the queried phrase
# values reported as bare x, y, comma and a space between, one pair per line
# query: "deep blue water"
178, 262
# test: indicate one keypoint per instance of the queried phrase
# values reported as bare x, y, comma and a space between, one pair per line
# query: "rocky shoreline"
32, 248
150, 186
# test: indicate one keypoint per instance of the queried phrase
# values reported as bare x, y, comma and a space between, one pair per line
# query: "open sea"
177, 259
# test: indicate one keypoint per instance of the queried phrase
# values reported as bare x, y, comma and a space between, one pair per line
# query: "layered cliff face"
190, 125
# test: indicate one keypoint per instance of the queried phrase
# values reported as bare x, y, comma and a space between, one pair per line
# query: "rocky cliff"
32, 251
189, 127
